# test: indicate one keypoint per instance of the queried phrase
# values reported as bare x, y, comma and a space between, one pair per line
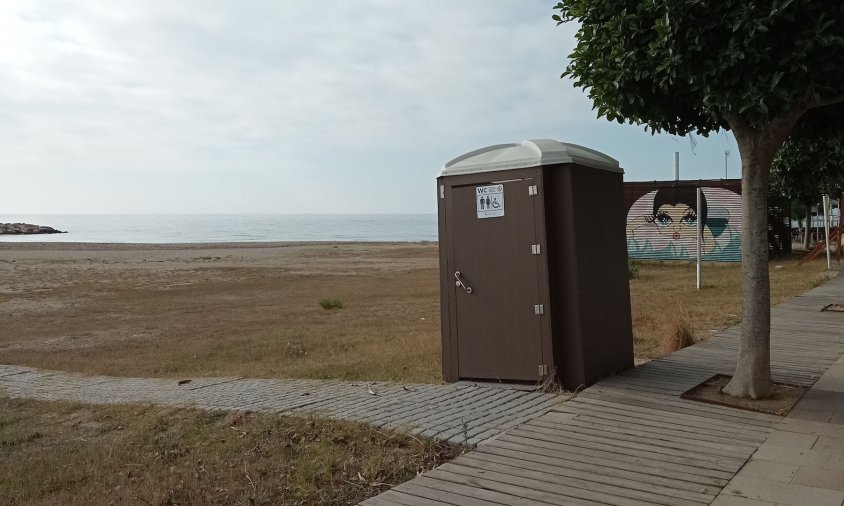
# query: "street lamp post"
726, 155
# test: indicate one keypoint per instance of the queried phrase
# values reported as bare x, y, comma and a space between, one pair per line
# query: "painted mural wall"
662, 220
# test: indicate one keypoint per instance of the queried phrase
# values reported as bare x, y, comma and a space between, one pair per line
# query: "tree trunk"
752, 377
807, 229
840, 226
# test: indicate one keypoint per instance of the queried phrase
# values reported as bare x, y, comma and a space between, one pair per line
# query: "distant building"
817, 216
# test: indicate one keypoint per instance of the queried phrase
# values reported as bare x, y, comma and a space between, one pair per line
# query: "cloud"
223, 106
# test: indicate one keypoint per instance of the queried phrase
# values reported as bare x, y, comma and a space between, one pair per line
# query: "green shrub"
632, 269
331, 303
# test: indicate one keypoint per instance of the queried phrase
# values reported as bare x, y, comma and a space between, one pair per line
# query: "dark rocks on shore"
26, 228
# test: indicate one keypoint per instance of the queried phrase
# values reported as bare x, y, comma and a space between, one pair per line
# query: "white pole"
726, 155
676, 166
699, 232
826, 230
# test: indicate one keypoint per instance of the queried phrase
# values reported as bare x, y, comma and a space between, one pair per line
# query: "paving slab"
728, 500
829, 443
776, 471
794, 424
818, 399
792, 439
833, 380
820, 477
782, 493
800, 457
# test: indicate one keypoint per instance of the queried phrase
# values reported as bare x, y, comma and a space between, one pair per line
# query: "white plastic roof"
530, 153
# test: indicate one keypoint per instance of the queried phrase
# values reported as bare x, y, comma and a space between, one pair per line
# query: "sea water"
208, 228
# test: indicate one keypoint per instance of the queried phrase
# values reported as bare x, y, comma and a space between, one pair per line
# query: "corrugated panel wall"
662, 220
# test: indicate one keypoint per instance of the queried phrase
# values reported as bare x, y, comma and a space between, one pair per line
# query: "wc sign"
490, 201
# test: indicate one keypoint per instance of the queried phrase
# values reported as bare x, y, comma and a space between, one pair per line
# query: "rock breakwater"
26, 228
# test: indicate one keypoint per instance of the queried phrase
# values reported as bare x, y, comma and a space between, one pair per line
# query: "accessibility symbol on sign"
490, 201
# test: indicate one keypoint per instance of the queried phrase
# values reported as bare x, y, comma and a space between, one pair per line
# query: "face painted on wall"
676, 221
662, 224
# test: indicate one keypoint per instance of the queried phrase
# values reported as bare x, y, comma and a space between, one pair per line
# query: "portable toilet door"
492, 240
491, 228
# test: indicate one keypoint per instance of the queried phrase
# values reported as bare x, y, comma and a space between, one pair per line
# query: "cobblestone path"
459, 413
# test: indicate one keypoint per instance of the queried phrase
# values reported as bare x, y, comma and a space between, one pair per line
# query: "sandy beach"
239, 309
253, 309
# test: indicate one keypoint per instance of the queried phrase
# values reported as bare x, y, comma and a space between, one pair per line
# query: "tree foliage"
811, 163
808, 165
682, 66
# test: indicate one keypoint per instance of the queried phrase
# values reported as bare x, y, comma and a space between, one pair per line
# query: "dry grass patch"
679, 334
256, 317
70, 454
254, 311
670, 313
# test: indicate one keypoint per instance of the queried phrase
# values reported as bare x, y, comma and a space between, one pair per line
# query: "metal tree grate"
836, 308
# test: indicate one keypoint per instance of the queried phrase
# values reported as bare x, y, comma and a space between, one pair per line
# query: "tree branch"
830, 101
784, 124
736, 122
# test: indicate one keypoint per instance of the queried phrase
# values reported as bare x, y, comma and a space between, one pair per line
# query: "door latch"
460, 282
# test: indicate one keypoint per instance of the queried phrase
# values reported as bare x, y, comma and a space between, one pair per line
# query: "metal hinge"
442, 191
543, 371
532, 190
535, 249
539, 309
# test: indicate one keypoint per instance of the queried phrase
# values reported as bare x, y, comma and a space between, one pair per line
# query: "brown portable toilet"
533, 263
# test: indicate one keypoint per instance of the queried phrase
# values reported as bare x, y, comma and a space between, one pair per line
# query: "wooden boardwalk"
630, 439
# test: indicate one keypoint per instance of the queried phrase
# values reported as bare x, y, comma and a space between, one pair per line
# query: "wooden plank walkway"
630, 439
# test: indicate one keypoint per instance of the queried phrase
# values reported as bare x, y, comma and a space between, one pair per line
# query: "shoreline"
126, 246
305, 256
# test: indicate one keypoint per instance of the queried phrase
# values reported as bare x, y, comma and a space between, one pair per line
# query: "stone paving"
458, 413
802, 461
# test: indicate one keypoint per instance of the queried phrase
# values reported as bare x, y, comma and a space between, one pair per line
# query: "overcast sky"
287, 106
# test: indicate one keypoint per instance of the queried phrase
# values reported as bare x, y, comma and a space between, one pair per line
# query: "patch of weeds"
183, 456
632, 269
331, 303
549, 383
464, 430
7, 420
18, 439
823, 277
295, 349
681, 334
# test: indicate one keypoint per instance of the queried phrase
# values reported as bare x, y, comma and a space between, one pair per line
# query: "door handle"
460, 282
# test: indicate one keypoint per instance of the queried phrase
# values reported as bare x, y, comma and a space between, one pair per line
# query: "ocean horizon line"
216, 214
169, 228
